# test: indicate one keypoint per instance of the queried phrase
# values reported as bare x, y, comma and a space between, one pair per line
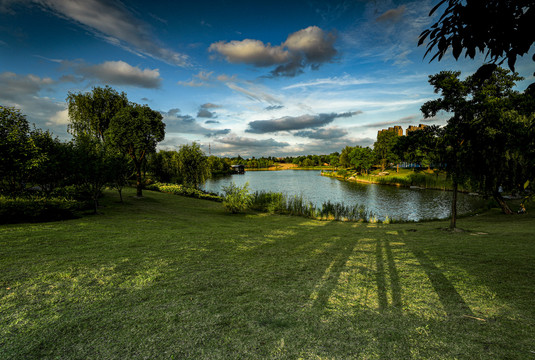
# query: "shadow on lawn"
282, 296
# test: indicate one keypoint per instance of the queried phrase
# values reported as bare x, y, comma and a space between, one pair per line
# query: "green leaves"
237, 199
91, 112
503, 28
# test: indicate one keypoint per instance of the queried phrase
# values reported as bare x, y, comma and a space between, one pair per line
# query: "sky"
249, 78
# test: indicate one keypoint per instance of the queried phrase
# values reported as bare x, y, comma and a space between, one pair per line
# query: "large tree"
90, 113
136, 130
502, 29
478, 140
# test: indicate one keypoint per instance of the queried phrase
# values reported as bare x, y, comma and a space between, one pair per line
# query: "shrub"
270, 202
182, 190
15, 210
237, 199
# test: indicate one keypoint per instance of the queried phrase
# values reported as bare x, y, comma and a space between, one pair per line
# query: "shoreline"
415, 187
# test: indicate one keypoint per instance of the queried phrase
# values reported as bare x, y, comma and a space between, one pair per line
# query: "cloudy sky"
250, 78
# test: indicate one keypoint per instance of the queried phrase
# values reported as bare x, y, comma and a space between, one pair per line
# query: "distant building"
396, 129
414, 128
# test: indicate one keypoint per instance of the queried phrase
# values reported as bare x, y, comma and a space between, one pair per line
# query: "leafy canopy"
500, 29
90, 113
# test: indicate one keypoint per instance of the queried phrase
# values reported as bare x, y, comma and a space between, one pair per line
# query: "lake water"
382, 200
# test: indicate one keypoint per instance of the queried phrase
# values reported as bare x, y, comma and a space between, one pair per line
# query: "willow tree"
193, 165
135, 131
90, 113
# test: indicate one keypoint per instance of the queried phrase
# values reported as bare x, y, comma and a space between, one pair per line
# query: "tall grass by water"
297, 205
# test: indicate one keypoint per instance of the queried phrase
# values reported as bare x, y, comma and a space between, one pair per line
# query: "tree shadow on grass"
452, 302
210, 298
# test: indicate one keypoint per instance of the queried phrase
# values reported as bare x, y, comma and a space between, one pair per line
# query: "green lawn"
173, 277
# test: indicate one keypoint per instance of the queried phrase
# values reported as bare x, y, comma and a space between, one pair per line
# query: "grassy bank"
405, 177
173, 277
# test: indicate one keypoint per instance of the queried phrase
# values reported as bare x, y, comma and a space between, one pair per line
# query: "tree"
119, 169
502, 29
361, 158
419, 146
91, 167
478, 142
55, 169
135, 130
344, 157
90, 113
334, 159
383, 148
163, 165
193, 165
453, 99
18, 153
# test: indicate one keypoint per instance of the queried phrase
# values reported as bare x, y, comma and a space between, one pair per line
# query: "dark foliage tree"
163, 166
500, 29
119, 169
479, 139
135, 131
419, 147
18, 154
219, 166
55, 169
91, 167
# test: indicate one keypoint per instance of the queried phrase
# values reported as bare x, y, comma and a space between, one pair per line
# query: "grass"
172, 277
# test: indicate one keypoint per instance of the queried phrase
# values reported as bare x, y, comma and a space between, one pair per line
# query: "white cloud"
307, 47
255, 93
24, 93
250, 51
59, 118
345, 80
121, 73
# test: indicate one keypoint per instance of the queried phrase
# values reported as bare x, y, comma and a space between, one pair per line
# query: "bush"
15, 210
182, 190
237, 199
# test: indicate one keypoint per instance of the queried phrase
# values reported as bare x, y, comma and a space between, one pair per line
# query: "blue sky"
250, 78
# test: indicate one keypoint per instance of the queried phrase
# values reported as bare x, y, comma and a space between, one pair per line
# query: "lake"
382, 200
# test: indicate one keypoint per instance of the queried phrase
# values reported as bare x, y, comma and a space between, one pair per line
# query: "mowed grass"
168, 277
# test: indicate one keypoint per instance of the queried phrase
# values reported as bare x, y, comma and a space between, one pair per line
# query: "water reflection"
391, 201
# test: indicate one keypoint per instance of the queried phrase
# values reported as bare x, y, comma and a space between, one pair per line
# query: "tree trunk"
453, 220
120, 194
95, 203
139, 186
501, 201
